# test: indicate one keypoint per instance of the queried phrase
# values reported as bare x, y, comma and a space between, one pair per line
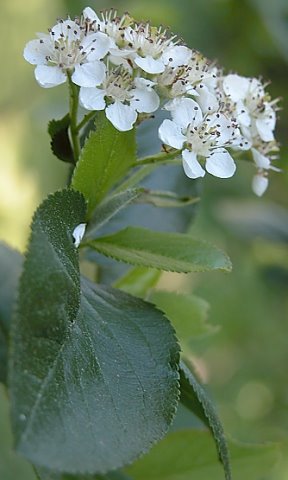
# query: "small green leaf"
60, 143
105, 158
109, 208
166, 199
187, 313
165, 251
194, 397
189, 455
10, 266
138, 281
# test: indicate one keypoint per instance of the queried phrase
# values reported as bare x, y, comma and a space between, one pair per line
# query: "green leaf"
166, 199
10, 266
12, 466
138, 281
161, 250
105, 158
189, 455
60, 143
109, 208
86, 395
187, 313
46, 475
194, 397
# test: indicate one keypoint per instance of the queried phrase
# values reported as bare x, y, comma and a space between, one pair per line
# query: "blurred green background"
245, 363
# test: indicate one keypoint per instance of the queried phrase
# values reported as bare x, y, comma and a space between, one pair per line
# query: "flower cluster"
132, 69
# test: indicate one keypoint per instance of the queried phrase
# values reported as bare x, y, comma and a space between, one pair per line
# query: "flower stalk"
74, 128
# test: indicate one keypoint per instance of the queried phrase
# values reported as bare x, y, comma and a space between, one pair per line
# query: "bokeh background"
245, 363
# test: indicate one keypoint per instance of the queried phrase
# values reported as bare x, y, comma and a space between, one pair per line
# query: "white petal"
265, 127
207, 100
176, 56
185, 111
78, 234
97, 45
121, 116
260, 160
36, 51
69, 29
220, 164
259, 184
150, 65
89, 74
120, 61
236, 87
144, 83
170, 133
192, 167
145, 100
92, 98
242, 114
48, 76
89, 14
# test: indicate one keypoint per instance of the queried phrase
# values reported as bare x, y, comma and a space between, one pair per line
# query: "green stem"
161, 157
85, 120
74, 103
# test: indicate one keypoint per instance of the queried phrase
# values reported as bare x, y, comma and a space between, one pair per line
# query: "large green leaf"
165, 251
190, 454
105, 158
187, 313
46, 475
195, 398
12, 466
10, 266
93, 385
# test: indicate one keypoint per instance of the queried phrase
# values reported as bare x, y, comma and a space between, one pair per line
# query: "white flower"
78, 234
202, 136
263, 164
122, 98
254, 112
152, 50
68, 47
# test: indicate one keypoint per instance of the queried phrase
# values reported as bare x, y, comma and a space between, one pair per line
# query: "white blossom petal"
118, 60
260, 160
259, 184
191, 166
236, 87
242, 114
36, 51
89, 74
220, 164
207, 100
265, 126
149, 64
78, 234
145, 99
176, 56
92, 98
89, 14
170, 133
49, 77
121, 116
67, 29
185, 111
97, 45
